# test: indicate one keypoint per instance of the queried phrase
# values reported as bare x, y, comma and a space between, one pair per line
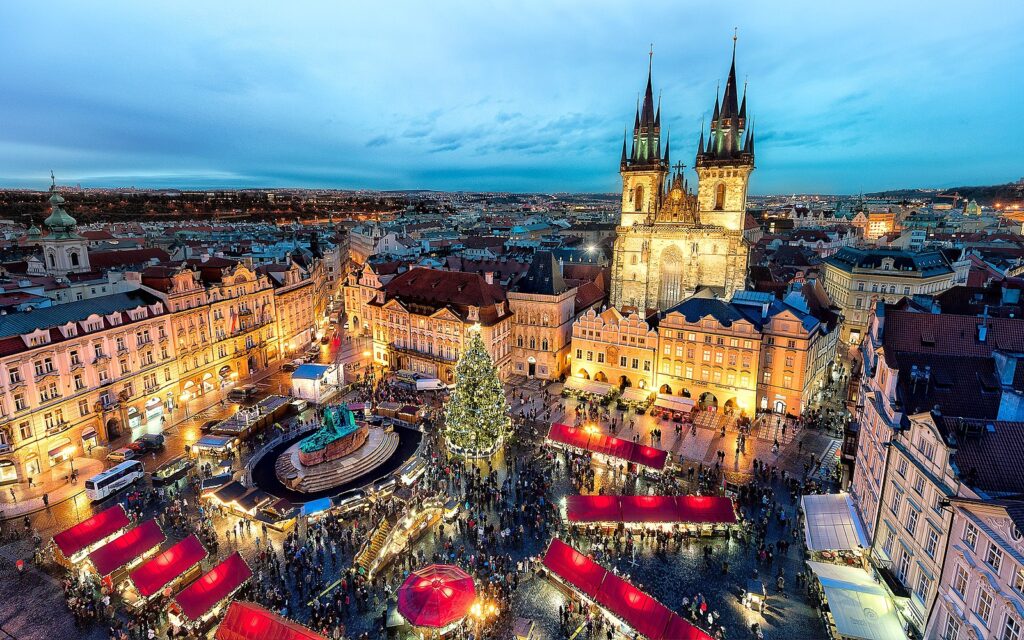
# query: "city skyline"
473, 98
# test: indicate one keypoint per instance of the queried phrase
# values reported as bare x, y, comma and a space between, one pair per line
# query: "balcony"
77, 364
57, 427
5, 447
100, 357
122, 351
46, 373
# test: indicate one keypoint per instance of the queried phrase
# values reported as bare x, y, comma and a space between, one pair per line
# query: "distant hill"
1005, 194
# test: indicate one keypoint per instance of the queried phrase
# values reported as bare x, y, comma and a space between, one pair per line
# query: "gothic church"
669, 242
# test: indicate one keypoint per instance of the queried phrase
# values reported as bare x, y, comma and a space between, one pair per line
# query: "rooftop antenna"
53, 181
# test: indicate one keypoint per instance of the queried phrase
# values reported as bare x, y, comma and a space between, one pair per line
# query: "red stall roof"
90, 531
649, 456
690, 509
574, 567
706, 509
154, 574
247, 621
593, 509
608, 445
127, 547
636, 608
216, 584
648, 509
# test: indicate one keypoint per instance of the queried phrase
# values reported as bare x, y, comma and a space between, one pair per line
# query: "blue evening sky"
516, 95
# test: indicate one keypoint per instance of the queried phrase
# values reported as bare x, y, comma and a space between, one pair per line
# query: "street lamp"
69, 451
185, 397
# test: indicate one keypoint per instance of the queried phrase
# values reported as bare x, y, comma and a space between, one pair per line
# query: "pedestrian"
46, 500
30, 482
14, 496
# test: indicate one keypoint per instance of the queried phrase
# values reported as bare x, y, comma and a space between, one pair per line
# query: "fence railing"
294, 429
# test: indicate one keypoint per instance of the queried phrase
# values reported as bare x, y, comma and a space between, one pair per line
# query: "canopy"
830, 523
217, 584
90, 531
247, 621
57, 446
213, 442
675, 403
436, 596
642, 612
635, 394
634, 607
160, 570
316, 506
632, 509
311, 372
573, 567
608, 446
127, 547
860, 606
592, 387
231, 492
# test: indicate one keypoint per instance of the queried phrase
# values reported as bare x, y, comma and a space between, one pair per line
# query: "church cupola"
64, 251
59, 221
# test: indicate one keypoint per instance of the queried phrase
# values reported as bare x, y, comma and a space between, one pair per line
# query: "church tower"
644, 169
725, 161
64, 251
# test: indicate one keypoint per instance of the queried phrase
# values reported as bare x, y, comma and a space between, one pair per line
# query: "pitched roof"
16, 324
544, 277
928, 263
429, 290
125, 257
991, 459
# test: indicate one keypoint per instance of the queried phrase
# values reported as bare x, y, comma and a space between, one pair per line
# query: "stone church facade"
669, 241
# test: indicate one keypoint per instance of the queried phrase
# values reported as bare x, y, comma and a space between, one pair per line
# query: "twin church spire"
730, 138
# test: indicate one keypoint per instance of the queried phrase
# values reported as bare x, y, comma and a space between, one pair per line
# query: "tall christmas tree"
477, 413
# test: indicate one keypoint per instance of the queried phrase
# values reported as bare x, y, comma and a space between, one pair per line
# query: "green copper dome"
59, 219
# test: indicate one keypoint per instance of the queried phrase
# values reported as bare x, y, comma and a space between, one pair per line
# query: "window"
97, 350
636, 363
83, 408
912, 516
903, 570
897, 501
901, 467
890, 538
707, 355
79, 382
984, 608
1018, 579
14, 375
789, 361
860, 286
622, 361
767, 377
923, 585
971, 536
647, 365
600, 357
579, 354
952, 630
25, 429
718, 357
919, 484
720, 196
960, 580
19, 402
74, 358
994, 557
1011, 630
932, 544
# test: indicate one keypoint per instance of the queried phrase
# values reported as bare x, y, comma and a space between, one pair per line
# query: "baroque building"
669, 241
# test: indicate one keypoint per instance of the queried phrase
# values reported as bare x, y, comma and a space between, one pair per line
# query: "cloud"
379, 141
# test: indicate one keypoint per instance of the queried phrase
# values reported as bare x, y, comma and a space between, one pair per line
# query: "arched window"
533, 343
74, 258
53, 261
670, 290
544, 344
638, 198
519, 341
720, 196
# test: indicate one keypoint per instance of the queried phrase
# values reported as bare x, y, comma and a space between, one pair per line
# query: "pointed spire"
668, 144
647, 110
625, 136
657, 116
700, 143
730, 99
714, 116
743, 105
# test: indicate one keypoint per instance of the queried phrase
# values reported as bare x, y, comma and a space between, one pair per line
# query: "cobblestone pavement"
34, 608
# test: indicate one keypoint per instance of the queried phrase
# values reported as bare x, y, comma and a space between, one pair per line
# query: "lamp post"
69, 451
185, 397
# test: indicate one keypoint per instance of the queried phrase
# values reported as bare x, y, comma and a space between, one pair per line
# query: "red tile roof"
432, 289
125, 257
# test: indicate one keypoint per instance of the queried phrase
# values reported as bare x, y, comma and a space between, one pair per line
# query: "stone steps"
331, 474
370, 553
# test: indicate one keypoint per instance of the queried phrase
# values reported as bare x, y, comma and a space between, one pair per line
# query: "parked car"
151, 441
290, 366
325, 339
120, 455
208, 425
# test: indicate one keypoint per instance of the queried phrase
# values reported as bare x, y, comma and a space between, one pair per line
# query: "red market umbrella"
436, 596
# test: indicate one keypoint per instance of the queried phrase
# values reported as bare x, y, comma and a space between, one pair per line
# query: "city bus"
113, 480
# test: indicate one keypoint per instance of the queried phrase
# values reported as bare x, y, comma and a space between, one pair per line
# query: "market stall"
202, 599
636, 398
113, 560
247, 621
314, 382
696, 514
616, 597
73, 544
609, 446
176, 565
437, 596
676, 407
213, 446
832, 530
854, 606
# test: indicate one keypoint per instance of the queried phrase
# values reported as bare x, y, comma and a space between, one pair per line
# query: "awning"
573, 567
830, 523
247, 621
316, 506
635, 394
127, 547
860, 607
639, 610
592, 387
58, 446
311, 372
675, 403
89, 432
253, 500
156, 573
436, 596
634, 607
213, 442
593, 509
90, 531
608, 445
216, 585
231, 492
642, 509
